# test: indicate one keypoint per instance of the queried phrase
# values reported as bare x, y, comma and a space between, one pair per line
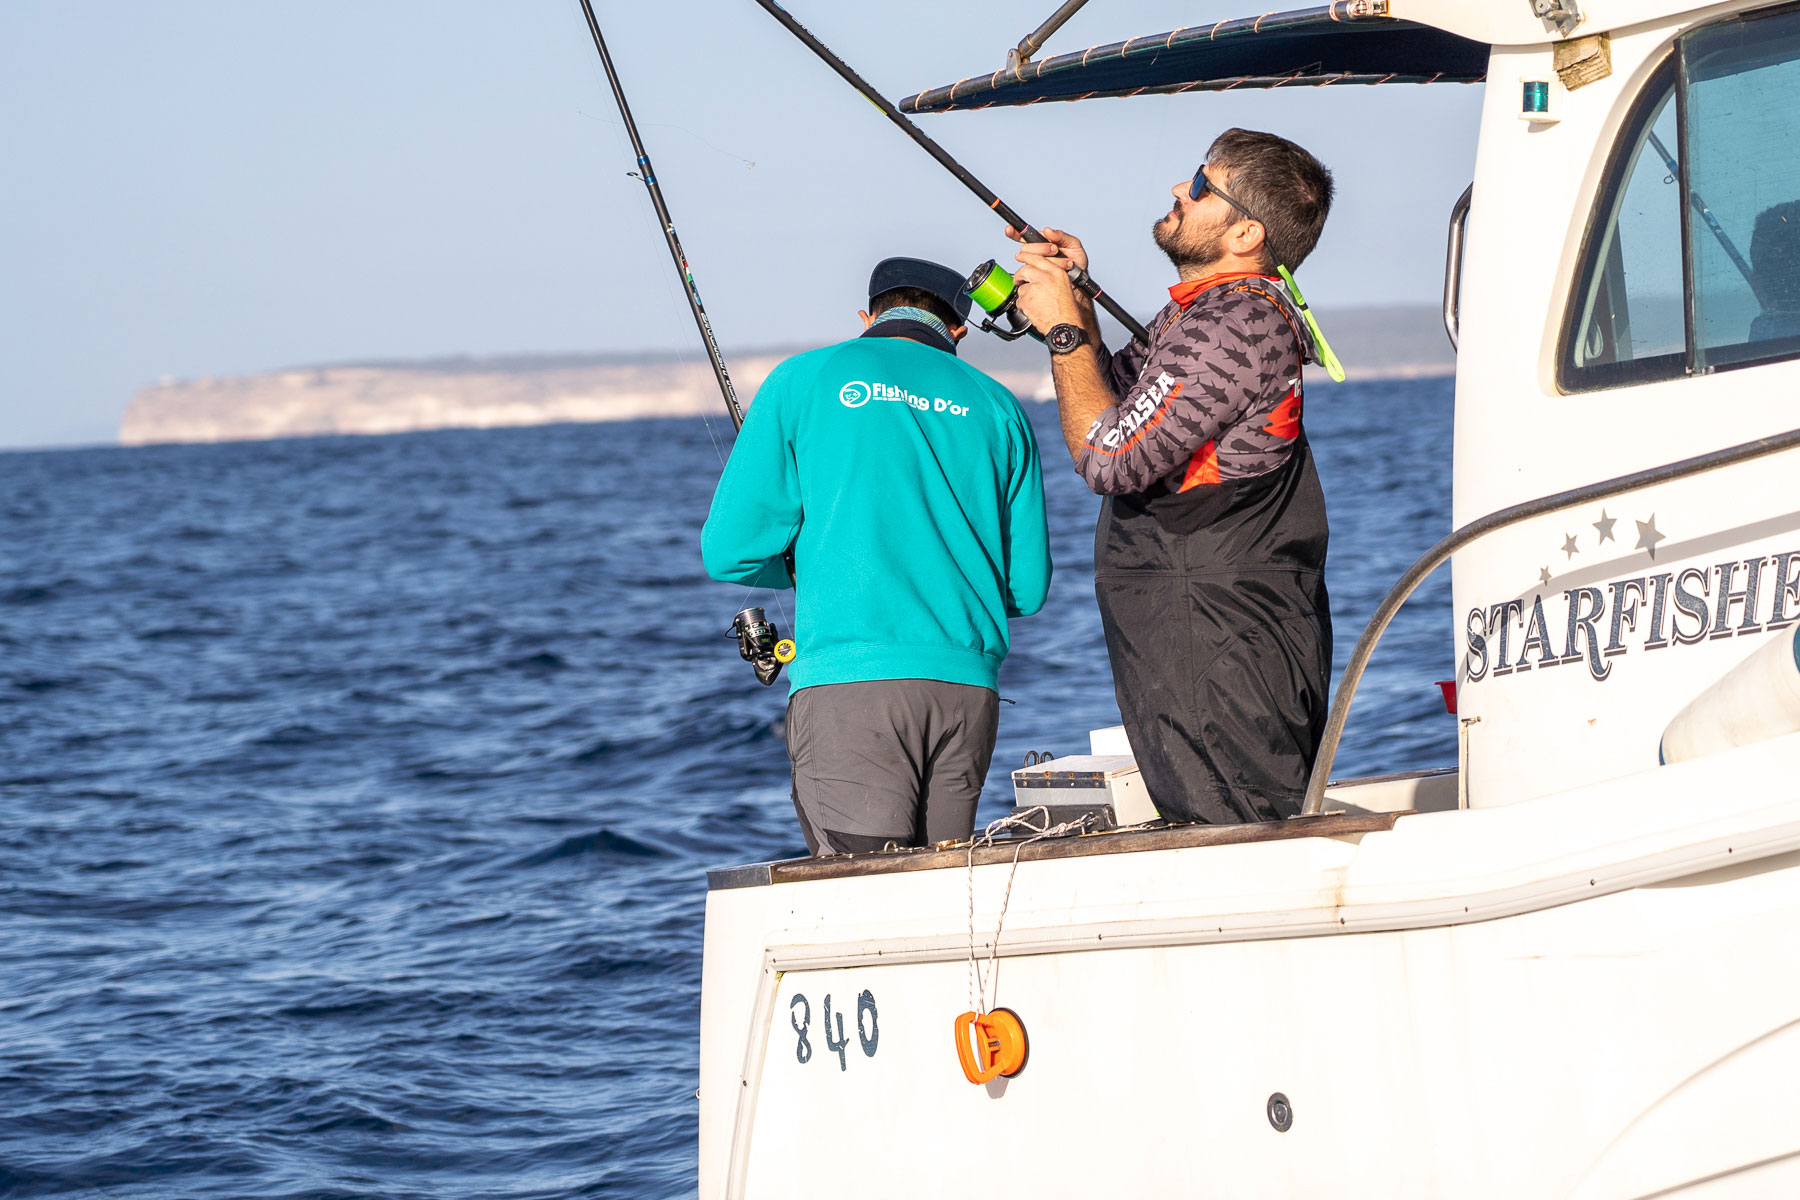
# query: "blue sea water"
356, 793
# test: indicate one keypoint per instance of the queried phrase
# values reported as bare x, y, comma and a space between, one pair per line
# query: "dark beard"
1181, 252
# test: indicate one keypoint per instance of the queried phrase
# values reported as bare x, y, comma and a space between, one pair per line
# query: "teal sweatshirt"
907, 484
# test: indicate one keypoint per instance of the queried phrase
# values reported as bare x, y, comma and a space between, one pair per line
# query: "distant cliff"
403, 397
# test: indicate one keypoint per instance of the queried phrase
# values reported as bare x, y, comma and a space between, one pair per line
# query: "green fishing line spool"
990, 287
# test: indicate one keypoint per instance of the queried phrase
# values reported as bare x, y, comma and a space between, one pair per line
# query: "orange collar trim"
1185, 294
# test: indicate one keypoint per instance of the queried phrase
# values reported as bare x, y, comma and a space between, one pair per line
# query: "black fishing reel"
990, 287
761, 644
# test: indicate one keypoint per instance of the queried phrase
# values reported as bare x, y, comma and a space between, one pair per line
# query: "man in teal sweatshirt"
906, 485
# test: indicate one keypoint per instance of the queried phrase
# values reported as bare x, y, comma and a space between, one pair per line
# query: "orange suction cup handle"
990, 1045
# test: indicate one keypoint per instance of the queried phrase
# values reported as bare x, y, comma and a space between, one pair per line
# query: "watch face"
1065, 338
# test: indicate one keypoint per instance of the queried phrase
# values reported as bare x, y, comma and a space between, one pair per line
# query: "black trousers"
1223, 680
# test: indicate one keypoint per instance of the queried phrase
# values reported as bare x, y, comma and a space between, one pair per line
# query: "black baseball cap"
939, 281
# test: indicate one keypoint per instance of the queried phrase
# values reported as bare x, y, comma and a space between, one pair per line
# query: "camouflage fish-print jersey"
1215, 396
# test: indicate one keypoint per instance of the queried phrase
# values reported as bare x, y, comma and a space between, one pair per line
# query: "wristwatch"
1062, 339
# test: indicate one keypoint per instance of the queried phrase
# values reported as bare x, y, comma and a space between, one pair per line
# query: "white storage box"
1086, 782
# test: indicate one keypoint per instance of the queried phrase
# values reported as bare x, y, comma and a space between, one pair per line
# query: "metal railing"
1459, 223
1438, 554
1034, 41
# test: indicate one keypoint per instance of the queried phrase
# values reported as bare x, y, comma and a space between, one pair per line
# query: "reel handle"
760, 644
1015, 328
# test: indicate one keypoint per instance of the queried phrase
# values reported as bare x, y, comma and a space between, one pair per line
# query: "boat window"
1741, 91
1692, 258
1628, 324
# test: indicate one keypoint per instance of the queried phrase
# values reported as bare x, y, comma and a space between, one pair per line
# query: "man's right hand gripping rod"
1080, 278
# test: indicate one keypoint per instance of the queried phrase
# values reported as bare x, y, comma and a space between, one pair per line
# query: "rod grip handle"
1085, 282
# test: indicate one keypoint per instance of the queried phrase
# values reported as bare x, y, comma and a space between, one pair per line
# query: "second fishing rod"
1080, 278
759, 639
646, 175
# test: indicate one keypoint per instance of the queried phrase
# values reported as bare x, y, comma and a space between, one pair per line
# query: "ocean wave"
25, 594
602, 843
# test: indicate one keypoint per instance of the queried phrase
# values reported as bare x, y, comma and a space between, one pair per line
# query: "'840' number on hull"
868, 1030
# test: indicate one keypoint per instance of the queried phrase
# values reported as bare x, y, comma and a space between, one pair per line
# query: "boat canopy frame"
1344, 42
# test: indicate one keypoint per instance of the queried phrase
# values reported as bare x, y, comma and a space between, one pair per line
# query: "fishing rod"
1077, 276
759, 639
647, 175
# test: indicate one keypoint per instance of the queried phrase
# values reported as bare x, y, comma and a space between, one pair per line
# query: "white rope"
978, 986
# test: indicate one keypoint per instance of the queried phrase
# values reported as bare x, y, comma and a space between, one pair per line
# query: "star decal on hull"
1648, 538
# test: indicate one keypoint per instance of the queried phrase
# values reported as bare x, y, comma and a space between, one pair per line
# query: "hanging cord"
979, 986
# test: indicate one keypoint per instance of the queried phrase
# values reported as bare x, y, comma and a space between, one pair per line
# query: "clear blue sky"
198, 187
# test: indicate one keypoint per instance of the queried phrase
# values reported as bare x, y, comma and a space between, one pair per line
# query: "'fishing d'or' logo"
857, 394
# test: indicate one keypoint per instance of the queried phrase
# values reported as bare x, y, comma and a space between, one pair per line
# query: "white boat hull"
1588, 996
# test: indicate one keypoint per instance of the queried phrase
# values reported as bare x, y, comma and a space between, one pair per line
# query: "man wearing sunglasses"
1210, 552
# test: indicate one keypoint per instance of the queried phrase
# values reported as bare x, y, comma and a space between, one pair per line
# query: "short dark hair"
1775, 255
1288, 189
907, 297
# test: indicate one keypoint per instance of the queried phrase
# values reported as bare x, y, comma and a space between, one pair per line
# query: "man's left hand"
1046, 296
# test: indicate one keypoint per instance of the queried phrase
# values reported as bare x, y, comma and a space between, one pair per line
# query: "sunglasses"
1325, 357
1203, 185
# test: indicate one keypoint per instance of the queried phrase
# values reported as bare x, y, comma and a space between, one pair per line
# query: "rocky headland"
483, 393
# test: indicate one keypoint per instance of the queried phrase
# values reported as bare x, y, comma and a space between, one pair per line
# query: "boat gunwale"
1134, 840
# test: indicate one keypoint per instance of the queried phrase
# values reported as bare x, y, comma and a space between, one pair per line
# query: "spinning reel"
992, 288
761, 644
